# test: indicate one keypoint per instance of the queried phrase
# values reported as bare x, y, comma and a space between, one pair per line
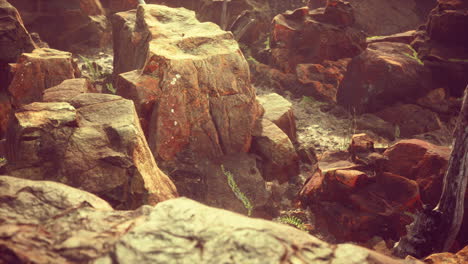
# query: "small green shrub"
94, 72
294, 221
414, 55
235, 189
111, 88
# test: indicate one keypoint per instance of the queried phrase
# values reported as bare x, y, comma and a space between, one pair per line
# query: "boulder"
279, 111
206, 106
36, 71
361, 143
47, 222
421, 161
411, 119
304, 36
448, 258
448, 22
382, 75
68, 89
371, 122
93, 142
280, 160
69, 25
322, 80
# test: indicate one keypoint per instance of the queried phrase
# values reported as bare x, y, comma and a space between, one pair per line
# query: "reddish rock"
436, 100
39, 70
73, 24
361, 143
94, 143
303, 36
5, 110
421, 161
448, 22
367, 87
460, 257
280, 160
322, 80
68, 89
411, 119
279, 111
350, 178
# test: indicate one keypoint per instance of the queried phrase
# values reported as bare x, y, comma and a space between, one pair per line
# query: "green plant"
111, 88
294, 221
252, 60
94, 72
414, 55
346, 140
267, 43
307, 100
235, 189
2, 159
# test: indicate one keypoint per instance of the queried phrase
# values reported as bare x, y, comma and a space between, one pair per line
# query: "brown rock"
67, 25
279, 111
322, 80
39, 70
448, 258
68, 89
301, 36
411, 119
94, 142
207, 105
375, 124
367, 86
361, 143
5, 110
280, 160
350, 178
421, 161
68, 225
404, 37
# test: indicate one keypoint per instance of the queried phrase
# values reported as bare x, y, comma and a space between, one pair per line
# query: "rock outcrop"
312, 36
66, 25
93, 142
191, 83
385, 73
39, 70
47, 222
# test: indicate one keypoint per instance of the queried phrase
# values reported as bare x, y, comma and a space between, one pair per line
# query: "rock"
206, 105
93, 142
70, 25
322, 80
68, 89
68, 225
381, 17
404, 37
361, 143
39, 70
303, 36
279, 111
5, 110
443, 45
421, 161
435, 100
280, 160
350, 178
375, 124
411, 119
266, 76
448, 258
383, 74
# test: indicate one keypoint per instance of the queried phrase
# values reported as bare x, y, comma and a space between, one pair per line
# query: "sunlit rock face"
93, 142
39, 70
201, 104
78, 227
66, 25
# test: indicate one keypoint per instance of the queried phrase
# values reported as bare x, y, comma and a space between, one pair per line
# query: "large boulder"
312, 36
93, 142
68, 89
36, 71
279, 111
47, 222
66, 25
195, 81
382, 75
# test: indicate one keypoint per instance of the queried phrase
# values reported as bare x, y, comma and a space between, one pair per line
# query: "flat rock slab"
71, 226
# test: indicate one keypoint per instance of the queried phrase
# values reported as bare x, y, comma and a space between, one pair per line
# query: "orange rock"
461, 257
361, 143
350, 177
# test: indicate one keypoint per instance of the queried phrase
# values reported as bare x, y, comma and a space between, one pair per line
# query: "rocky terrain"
238, 131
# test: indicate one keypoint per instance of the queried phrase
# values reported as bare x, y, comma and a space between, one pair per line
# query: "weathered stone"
68, 89
66, 25
206, 105
322, 80
411, 119
361, 143
448, 258
375, 124
301, 36
47, 222
279, 111
404, 37
280, 160
383, 74
95, 142
39, 70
